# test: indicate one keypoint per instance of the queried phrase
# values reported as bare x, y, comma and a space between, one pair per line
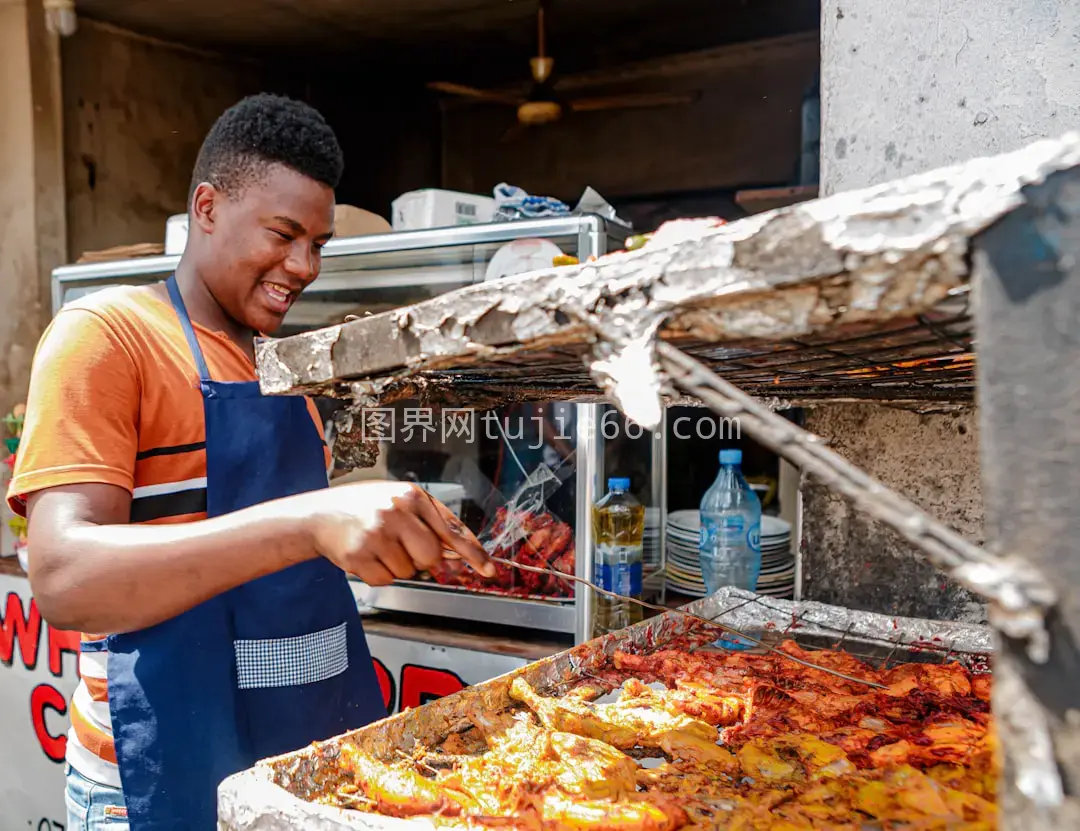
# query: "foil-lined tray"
274, 795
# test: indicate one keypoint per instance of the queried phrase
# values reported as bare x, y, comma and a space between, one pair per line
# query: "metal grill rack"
926, 358
921, 359
866, 636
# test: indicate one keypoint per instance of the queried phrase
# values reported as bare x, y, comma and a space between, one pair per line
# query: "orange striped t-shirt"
114, 398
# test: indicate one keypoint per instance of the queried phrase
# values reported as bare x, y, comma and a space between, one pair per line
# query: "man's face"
264, 243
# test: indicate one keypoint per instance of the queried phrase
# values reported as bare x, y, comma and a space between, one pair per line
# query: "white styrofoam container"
176, 231
433, 208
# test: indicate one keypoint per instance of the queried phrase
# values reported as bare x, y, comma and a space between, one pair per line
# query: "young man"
182, 520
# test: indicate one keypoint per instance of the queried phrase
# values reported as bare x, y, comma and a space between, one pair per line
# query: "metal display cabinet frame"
875, 294
433, 261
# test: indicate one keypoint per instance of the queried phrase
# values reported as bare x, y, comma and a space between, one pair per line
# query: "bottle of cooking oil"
618, 532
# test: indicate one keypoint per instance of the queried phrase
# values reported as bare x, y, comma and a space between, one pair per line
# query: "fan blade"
479, 94
514, 133
641, 100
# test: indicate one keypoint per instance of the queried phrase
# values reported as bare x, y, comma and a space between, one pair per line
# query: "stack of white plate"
651, 541
777, 577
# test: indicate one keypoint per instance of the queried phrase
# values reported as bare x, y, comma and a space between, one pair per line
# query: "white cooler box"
440, 209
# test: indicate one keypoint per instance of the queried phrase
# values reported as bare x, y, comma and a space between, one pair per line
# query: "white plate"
522, 256
689, 522
684, 573
777, 551
688, 592
687, 552
778, 579
687, 545
767, 567
684, 588
691, 547
691, 567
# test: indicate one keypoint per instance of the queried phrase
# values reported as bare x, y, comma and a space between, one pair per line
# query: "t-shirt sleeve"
82, 410
317, 418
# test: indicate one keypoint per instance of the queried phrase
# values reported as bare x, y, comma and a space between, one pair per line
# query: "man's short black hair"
262, 130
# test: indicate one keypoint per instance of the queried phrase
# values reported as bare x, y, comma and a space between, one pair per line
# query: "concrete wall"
135, 113
852, 560
134, 123
907, 87
911, 86
31, 188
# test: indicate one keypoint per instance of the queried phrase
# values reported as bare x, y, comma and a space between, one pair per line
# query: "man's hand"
382, 531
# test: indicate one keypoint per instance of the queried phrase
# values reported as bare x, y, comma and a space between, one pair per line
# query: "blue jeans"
92, 806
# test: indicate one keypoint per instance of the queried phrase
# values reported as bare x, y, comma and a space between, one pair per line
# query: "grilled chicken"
750, 743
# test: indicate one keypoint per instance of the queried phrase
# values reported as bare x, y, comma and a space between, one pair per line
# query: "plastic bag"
512, 203
522, 531
592, 202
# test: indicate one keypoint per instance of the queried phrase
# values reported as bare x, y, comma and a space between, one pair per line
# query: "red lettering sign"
61, 641
46, 696
16, 625
419, 685
386, 684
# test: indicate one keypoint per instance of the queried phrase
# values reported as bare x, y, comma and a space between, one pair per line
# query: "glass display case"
524, 476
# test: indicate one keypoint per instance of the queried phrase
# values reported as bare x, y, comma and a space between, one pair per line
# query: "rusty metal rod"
1021, 595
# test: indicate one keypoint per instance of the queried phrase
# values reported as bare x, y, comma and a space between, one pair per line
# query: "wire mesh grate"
881, 652
926, 358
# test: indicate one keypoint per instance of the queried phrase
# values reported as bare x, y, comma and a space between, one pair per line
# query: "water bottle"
619, 531
729, 549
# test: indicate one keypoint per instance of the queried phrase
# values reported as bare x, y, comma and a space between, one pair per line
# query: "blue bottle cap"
618, 484
731, 457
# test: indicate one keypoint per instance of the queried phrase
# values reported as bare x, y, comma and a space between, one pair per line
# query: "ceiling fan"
543, 104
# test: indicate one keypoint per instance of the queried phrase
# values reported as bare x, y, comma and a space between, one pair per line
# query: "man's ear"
203, 204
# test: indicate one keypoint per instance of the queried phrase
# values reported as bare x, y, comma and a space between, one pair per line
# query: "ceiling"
473, 39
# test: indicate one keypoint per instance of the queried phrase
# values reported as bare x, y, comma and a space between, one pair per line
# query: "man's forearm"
119, 578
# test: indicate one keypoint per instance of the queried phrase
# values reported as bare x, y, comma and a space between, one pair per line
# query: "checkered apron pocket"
291, 662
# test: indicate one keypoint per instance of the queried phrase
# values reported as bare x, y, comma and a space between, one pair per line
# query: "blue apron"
263, 669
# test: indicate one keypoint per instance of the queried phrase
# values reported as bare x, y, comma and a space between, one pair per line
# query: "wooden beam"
1028, 322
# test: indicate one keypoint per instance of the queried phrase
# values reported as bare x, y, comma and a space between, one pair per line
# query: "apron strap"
189, 331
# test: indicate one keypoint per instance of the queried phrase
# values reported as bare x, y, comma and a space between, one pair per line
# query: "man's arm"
92, 572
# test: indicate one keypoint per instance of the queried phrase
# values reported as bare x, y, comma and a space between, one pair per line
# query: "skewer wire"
722, 627
656, 608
